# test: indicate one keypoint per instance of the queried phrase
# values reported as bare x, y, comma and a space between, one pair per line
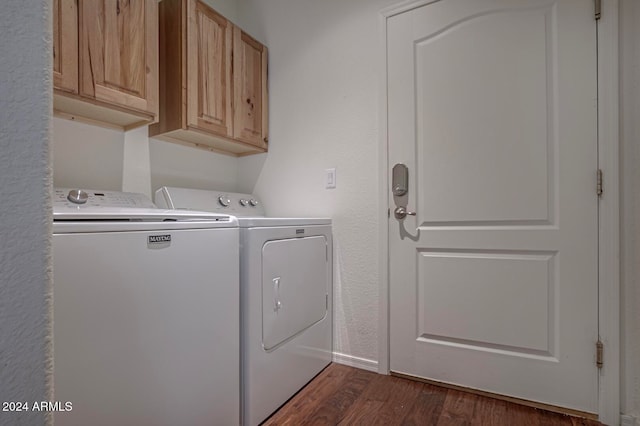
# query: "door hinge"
599, 354
388, 212
599, 184
598, 9
326, 302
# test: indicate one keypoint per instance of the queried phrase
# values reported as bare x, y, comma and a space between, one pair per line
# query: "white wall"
227, 8
184, 166
630, 209
87, 156
93, 157
323, 88
25, 218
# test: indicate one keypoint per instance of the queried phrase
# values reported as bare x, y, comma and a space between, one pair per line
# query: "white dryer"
286, 296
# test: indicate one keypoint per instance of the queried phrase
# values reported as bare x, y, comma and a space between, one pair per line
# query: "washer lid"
87, 205
137, 215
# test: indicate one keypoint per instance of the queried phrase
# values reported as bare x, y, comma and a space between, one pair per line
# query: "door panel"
65, 45
490, 120
250, 75
294, 287
209, 70
119, 52
524, 324
493, 284
124, 45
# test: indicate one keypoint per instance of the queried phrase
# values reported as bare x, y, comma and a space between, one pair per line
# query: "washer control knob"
224, 201
243, 202
78, 196
253, 202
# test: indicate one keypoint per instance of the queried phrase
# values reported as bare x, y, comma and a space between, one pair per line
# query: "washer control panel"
75, 198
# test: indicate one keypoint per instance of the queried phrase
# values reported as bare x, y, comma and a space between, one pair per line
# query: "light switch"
330, 181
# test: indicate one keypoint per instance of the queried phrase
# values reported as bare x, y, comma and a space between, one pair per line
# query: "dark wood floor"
342, 395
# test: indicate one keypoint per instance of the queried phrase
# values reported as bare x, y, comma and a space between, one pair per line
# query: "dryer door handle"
277, 304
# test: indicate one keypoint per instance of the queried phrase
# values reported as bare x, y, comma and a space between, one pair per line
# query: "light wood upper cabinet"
213, 80
115, 60
65, 45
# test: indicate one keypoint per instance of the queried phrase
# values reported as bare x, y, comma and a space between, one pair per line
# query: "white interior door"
492, 106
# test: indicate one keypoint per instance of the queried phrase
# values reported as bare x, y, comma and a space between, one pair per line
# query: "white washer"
286, 296
146, 321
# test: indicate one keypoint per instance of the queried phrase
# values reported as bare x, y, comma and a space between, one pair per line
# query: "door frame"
608, 208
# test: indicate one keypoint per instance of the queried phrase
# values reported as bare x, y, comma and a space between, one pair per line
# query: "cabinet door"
209, 70
250, 89
65, 45
119, 53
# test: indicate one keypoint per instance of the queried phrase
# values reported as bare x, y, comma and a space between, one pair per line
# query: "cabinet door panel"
250, 83
119, 52
209, 70
65, 45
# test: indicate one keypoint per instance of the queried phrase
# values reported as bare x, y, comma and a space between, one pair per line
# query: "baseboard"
354, 361
628, 420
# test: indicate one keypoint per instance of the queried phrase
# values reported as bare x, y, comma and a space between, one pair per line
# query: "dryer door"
295, 279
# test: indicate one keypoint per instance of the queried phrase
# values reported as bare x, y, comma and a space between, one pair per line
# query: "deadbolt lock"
400, 180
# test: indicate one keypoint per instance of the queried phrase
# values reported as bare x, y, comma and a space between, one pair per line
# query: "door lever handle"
277, 304
401, 212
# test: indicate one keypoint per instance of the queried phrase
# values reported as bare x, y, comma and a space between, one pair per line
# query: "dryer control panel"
236, 204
